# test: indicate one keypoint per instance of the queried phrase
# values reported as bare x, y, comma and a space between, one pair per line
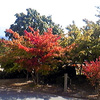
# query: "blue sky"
63, 11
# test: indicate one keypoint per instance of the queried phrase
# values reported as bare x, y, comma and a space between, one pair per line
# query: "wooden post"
65, 82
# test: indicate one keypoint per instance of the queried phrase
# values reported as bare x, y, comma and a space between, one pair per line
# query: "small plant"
92, 70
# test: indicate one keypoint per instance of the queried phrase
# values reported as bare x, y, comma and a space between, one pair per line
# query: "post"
65, 82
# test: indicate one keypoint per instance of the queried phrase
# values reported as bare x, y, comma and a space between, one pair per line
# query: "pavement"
10, 90
21, 95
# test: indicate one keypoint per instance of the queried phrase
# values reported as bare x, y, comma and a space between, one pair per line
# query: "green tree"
74, 33
92, 32
98, 15
86, 39
72, 38
35, 20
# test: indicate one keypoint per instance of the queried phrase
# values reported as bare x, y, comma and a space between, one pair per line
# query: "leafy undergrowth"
82, 90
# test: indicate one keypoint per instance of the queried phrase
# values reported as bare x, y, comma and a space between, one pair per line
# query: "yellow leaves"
15, 41
82, 52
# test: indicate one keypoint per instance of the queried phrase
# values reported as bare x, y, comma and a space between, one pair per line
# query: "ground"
83, 90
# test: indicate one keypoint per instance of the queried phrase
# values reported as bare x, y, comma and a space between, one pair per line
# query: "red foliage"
43, 48
92, 70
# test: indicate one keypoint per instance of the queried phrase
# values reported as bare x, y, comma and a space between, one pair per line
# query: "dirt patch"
84, 90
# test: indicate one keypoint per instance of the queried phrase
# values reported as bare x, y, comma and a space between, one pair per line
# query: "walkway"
19, 95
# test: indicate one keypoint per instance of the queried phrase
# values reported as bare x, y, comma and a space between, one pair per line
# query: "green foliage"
98, 15
91, 41
74, 33
35, 20
9, 55
87, 40
72, 38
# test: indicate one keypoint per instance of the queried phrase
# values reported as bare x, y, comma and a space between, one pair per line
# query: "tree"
98, 15
72, 38
2, 49
92, 31
74, 33
86, 40
35, 20
92, 71
34, 51
7, 55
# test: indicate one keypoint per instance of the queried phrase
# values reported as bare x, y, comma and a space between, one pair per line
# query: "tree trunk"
81, 69
33, 78
26, 73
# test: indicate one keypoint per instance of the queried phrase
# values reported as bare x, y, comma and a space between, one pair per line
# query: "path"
15, 89
21, 95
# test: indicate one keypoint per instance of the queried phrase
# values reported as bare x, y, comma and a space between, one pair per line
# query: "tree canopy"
35, 20
36, 44
34, 51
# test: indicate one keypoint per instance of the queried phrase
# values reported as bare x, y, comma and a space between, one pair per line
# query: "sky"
63, 12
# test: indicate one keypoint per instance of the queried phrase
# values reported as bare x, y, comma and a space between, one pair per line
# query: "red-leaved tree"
34, 51
43, 49
92, 70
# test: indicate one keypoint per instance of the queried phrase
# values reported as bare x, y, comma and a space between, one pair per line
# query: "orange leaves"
70, 47
34, 32
7, 43
45, 47
42, 48
49, 30
31, 29
15, 34
9, 30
